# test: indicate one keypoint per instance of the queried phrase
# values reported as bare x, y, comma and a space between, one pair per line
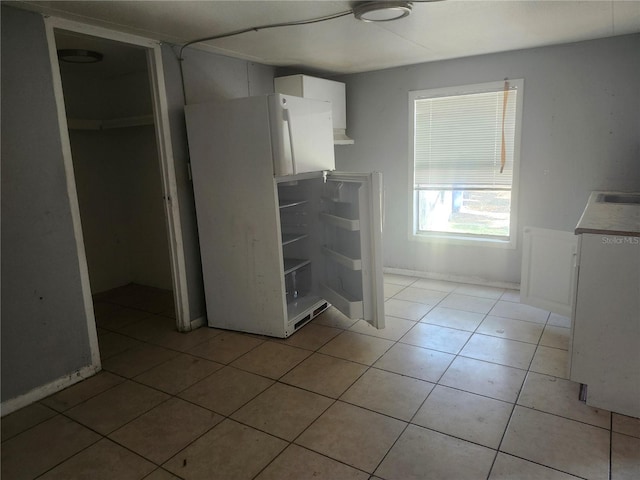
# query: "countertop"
609, 218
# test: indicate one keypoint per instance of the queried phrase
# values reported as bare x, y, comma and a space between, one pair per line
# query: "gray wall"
208, 77
580, 132
44, 331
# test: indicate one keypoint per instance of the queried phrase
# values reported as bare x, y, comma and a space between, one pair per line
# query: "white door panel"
548, 269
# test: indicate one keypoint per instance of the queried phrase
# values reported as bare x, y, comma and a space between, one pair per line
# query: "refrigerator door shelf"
353, 245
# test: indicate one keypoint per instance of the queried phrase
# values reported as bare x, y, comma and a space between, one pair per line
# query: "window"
465, 145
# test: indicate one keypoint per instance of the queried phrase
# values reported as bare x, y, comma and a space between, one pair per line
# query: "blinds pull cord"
503, 153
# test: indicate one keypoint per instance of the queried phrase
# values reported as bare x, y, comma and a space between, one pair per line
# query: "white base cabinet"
598, 286
605, 347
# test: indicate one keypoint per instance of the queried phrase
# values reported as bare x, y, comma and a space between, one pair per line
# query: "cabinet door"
352, 245
548, 269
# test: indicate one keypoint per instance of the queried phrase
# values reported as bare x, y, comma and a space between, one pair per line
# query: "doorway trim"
167, 168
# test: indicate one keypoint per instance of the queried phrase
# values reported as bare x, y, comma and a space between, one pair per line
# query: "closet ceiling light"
74, 55
381, 11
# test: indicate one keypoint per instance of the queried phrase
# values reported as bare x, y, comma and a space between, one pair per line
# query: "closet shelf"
291, 203
124, 122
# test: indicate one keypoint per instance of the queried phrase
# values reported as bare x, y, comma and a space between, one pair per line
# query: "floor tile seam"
610, 446
161, 465
422, 321
315, 452
176, 394
102, 437
495, 449
439, 382
340, 399
384, 457
399, 318
106, 435
460, 309
493, 462
218, 361
39, 402
504, 338
544, 324
103, 368
506, 428
355, 361
474, 393
378, 336
422, 404
124, 379
434, 382
147, 341
467, 356
433, 349
562, 416
185, 333
624, 434
573, 475
498, 299
290, 441
555, 348
271, 378
493, 363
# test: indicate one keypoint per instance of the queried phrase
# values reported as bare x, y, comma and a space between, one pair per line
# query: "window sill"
453, 239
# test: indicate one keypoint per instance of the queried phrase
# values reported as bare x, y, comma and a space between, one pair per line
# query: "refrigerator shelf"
293, 264
348, 305
288, 238
291, 203
350, 263
341, 222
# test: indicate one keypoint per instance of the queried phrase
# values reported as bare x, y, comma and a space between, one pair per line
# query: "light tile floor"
464, 383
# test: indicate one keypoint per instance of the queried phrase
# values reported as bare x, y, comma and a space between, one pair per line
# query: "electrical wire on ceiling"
265, 27
253, 29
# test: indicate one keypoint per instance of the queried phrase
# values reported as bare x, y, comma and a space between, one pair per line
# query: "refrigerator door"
301, 135
352, 218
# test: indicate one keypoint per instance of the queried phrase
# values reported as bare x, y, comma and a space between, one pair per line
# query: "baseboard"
13, 404
452, 278
198, 322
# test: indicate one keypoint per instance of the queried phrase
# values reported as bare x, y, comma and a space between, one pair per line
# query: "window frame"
462, 239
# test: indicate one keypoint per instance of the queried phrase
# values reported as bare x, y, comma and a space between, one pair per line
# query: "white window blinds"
459, 140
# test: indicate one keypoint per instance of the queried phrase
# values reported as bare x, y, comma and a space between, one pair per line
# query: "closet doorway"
122, 177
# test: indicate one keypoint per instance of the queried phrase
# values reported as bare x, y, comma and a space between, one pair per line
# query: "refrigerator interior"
321, 247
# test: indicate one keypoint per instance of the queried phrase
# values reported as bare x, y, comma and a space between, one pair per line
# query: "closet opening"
121, 183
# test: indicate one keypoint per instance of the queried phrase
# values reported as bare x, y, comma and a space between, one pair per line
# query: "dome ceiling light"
382, 11
75, 55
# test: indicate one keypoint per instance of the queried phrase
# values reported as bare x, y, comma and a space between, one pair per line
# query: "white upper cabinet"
320, 89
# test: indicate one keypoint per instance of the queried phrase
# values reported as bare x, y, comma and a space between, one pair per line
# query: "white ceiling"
434, 30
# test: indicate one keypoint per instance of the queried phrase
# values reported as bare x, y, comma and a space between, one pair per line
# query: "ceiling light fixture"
382, 11
74, 55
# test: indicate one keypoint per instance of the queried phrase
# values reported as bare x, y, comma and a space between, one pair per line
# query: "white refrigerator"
282, 235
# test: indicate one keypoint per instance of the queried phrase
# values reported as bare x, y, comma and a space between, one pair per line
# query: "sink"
629, 198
